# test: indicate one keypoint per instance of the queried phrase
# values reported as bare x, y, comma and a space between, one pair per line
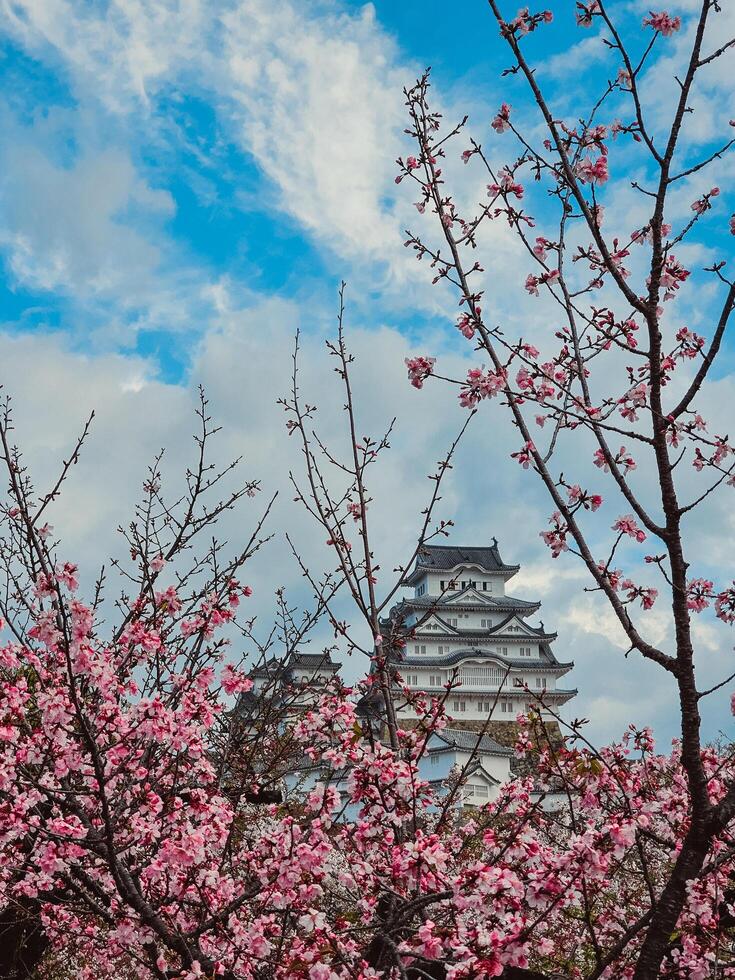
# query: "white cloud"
322, 116
541, 578
65, 229
577, 58
318, 115
120, 51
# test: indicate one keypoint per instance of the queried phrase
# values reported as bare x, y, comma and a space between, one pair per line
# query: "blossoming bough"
133, 833
605, 383
134, 840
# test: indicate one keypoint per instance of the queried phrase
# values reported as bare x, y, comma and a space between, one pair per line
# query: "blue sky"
182, 185
219, 209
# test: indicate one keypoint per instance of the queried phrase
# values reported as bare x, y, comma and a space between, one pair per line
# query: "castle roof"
455, 738
247, 704
470, 653
314, 661
270, 668
497, 632
276, 666
433, 557
482, 600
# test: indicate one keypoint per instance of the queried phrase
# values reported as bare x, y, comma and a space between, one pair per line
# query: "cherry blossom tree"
144, 830
613, 397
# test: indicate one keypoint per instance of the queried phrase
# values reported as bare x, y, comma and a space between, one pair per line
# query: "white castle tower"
461, 623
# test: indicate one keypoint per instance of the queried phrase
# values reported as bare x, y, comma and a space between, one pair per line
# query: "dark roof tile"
469, 741
445, 557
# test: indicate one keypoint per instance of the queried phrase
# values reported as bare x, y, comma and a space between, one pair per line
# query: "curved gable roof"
537, 631
420, 627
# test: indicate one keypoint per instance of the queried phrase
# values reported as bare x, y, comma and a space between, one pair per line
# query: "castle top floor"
442, 570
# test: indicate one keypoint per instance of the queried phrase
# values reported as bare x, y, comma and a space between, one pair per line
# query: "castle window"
484, 586
442, 585
479, 790
435, 760
441, 651
539, 682
481, 676
464, 585
506, 707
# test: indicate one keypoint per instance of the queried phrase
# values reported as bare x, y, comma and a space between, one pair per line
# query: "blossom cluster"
137, 851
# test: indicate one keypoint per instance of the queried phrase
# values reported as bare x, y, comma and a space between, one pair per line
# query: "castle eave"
486, 603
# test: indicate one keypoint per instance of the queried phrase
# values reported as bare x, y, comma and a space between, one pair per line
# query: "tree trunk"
663, 922
23, 942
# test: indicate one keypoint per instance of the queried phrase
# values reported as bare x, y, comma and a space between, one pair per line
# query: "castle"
459, 627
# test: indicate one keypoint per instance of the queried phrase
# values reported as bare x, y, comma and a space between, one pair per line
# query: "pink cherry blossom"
419, 369
507, 185
355, 510
524, 456
593, 171
556, 538
501, 122
586, 12
235, 682
699, 593
480, 385
662, 22
66, 575
725, 605
465, 326
627, 525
